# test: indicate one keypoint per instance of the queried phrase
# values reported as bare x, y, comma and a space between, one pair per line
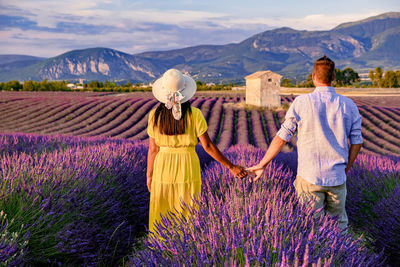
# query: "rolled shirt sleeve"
288, 128
355, 136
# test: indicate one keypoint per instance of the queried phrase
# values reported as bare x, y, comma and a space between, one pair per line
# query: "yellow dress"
176, 171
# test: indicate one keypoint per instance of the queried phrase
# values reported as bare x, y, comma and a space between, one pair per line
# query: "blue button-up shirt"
326, 123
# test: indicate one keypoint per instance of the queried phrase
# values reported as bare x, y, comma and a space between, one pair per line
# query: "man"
325, 122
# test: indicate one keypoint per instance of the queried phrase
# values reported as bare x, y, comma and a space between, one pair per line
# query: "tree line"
350, 78
344, 78
96, 86
388, 80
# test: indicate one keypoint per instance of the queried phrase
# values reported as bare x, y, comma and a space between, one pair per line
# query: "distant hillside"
11, 62
362, 45
90, 64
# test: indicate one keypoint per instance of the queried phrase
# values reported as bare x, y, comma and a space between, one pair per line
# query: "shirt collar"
325, 89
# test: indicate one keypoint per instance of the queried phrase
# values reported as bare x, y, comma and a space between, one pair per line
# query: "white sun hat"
174, 88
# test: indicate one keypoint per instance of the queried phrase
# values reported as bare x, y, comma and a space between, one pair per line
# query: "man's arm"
287, 130
273, 150
355, 138
353, 152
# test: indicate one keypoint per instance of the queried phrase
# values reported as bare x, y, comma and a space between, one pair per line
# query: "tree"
346, 77
376, 77
390, 80
12, 86
29, 86
371, 76
287, 83
44, 85
398, 78
92, 84
308, 82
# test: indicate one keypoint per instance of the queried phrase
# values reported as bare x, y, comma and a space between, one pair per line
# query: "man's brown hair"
324, 68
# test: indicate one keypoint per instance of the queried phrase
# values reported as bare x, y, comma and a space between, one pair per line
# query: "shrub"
239, 222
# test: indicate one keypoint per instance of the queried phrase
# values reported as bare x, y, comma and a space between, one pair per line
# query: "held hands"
256, 171
238, 171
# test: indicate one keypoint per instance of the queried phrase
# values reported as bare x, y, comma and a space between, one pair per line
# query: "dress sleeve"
200, 122
150, 127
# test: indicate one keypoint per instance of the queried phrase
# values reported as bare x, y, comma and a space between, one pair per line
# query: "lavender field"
125, 116
73, 180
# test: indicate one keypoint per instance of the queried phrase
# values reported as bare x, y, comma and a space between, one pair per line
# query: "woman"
173, 167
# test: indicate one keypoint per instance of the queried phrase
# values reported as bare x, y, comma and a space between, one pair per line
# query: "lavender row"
393, 117
53, 118
74, 123
33, 113
141, 119
379, 130
91, 121
215, 120
259, 135
118, 117
100, 120
226, 138
242, 128
127, 119
207, 106
383, 147
64, 118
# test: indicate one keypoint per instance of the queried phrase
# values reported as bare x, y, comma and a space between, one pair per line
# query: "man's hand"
149, 178
273, 150
347, 170
353, 152
238, 171
257, 170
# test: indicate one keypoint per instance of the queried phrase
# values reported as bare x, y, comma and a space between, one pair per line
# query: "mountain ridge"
362, 45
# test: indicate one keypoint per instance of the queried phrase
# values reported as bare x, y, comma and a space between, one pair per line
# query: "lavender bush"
12, 242
239, 222
373, 199
83, 205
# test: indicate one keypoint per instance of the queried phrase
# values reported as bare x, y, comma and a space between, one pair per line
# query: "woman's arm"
153, 150
214, 152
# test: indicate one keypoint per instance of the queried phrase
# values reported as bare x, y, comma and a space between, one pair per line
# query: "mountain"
361, 45
11, 62
90, 64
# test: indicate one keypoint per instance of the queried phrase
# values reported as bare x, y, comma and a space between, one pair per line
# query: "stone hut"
263, 89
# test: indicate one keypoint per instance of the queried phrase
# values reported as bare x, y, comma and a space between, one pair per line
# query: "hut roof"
259, 74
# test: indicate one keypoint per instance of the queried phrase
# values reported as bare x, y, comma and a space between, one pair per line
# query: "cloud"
48, 27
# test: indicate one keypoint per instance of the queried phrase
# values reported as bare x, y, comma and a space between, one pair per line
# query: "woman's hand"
149, 178
257, 171
214, 152
238, 171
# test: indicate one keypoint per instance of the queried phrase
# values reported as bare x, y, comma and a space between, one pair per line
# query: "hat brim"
160, 93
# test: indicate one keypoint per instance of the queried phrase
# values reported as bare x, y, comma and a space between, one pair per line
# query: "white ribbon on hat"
174, 102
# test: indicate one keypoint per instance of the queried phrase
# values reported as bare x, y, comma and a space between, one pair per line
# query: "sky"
47, 28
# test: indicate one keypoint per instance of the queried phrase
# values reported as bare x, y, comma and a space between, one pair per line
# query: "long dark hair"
166, 123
